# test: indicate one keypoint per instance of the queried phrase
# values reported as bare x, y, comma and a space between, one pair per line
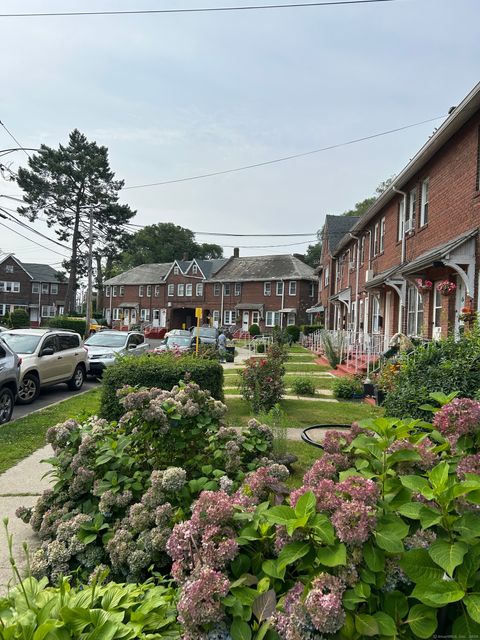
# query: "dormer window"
194, 269
175, 270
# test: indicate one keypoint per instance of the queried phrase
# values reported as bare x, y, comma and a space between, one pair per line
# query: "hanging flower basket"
423, 285
446, 288
468, 315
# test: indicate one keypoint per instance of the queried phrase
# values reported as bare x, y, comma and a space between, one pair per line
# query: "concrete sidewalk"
20, 486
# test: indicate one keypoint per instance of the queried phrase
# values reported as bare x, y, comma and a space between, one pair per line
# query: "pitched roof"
337, 227
143, 274
42, 272
210, 267
265, 267
438, 253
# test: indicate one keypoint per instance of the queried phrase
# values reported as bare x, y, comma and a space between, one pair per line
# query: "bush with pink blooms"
261, 381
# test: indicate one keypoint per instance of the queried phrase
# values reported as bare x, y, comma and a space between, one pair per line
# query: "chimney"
185, 257
236, 252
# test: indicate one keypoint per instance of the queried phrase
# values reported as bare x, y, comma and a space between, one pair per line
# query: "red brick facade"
361, 294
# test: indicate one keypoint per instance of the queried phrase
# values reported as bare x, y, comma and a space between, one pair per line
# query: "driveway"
50, 396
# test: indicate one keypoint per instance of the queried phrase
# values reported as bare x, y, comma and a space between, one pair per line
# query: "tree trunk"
72, 279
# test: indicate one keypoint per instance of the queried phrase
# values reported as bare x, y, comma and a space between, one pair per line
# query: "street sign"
199, 312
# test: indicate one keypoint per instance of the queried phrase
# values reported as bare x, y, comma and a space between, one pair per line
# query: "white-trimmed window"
382, 235
238, 288
267, 288
216, 289
3, 310
376, 315
311, 289
144, 315
437, 308
141, 290
48, 311
290, 319
121, 290
156, 292
255, 317
292, 288
216, 317
171, 290
189, 289
176, 270
180, 290
54, 289
9, 268
115, 314
326, 276
424, 203
414, 311
44, 287
199, 289
272, 319
279, 288
400, 216
226, 289
107, 291
411, 210
376, 230
10, 287
35, 287
194, 269
149, 290
114, 292
229, 316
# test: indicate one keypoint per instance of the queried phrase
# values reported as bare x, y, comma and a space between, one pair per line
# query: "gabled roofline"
454, 122
194, 260
11, 255
174, 264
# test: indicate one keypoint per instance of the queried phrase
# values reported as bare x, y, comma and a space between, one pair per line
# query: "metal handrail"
306, 438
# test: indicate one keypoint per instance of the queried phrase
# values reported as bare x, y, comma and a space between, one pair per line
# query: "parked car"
48, 357
178, 332
105, 346
206, 335
181, 343
9, 380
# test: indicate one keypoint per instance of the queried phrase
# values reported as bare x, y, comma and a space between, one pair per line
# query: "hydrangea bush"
261, 381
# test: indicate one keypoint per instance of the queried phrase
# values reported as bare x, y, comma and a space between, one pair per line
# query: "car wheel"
7, 401
28, 389
77, 379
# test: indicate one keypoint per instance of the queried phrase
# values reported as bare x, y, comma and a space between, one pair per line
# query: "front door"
437, 314
245, 320
460, 302
156, 318
163, 317
126, 317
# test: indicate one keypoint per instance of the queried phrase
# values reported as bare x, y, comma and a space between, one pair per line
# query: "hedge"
62, 322
163, 371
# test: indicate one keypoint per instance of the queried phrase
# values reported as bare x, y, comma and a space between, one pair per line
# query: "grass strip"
20, 438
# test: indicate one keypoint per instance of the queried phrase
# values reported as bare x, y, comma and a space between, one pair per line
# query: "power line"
14, 139
26, 226
30, 240
239, 235
284, 158
267, 246
254, 7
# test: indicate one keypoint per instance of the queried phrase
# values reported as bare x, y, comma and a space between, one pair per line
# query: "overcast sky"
176, 95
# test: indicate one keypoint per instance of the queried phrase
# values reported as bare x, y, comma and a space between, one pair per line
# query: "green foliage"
261, 382
293, 333
346, 387
19, 319
303, 386
307, 329
78, 325
113, 610
260, 348
444, 366
333, 346
162, 371
254, 330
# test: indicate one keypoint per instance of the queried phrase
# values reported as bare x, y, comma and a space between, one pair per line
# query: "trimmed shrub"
162, 371
261, 382
293, 333
347, 387
254, 330
19, 319
307, 329
78, 325
303, 386
441, 366
260, 348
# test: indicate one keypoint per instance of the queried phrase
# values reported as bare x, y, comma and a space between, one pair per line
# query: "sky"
177, 95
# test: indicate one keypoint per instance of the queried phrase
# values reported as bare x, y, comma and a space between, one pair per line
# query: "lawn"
20, 438
302, 414
305, 367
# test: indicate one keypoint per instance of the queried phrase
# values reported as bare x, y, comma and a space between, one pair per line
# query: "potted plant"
446, 288
423, 285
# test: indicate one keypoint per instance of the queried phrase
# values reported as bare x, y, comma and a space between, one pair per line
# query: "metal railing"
264, 340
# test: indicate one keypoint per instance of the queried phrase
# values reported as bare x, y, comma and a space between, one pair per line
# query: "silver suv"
105, 346
49, 356
9, 378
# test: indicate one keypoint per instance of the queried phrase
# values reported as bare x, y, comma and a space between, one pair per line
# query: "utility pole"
88, 311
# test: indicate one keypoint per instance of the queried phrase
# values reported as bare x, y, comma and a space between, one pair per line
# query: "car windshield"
206, 332
106, 340
178, 341
21, 343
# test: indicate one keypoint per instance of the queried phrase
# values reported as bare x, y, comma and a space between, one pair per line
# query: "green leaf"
374, 557
422, 621
417, 484
332, 556
472, 602
447, 555
323, 528
240, 565
280, 515
438, 476
366, 625
386, 624
306, 504
438, 593
273, 569
429, 517
293, 552
468, 526
403, 455
264, 605
390, 532
240, 630
395, 604
420, 568
465, 627
411, 510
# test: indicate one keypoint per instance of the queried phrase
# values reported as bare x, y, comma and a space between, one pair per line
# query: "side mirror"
48, 351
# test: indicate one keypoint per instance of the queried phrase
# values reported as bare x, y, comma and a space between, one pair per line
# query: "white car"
49, 356
105, 346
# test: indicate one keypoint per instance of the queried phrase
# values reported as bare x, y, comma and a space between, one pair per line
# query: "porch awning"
128, 305
447, 250
248, 306
382, 278
287, 311
319, 309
